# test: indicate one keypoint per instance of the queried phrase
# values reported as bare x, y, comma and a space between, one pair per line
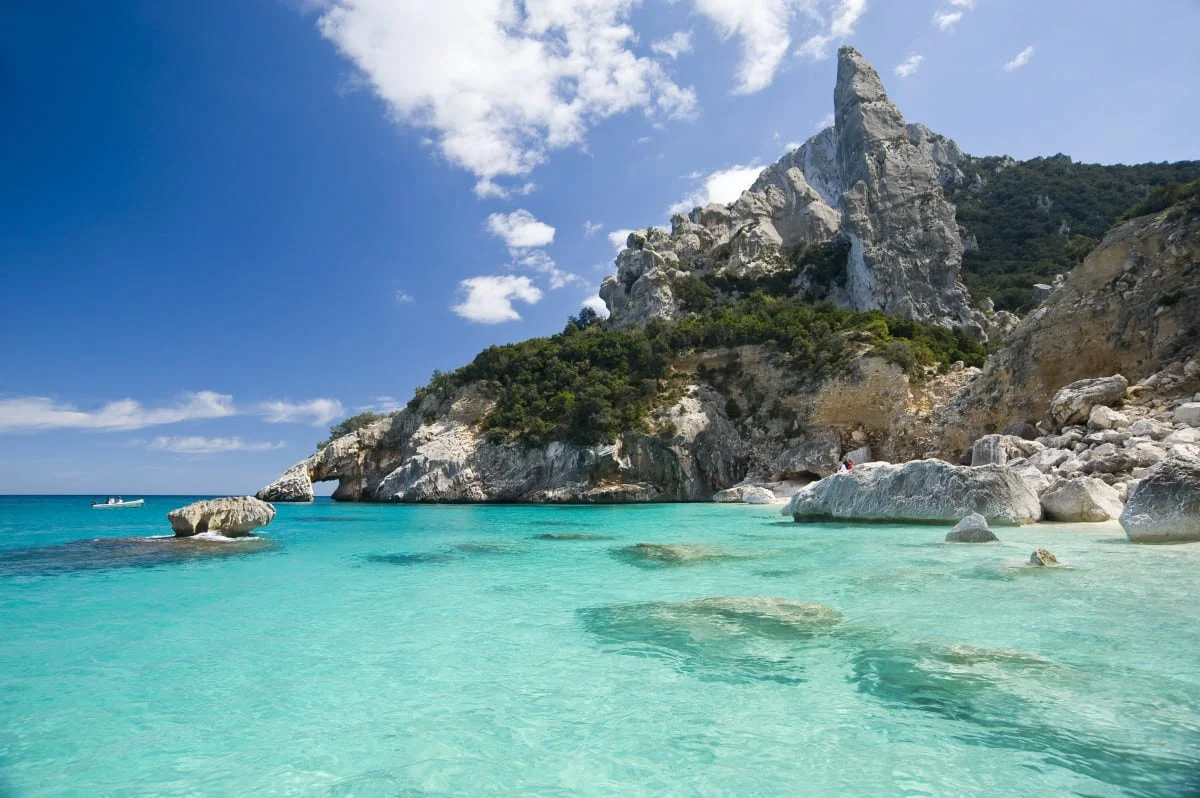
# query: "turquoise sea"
468, 650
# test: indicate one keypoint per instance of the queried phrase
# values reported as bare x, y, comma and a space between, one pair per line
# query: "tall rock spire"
905, 250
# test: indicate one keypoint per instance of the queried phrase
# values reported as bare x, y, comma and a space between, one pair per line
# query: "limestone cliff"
870, 181
1131, 308
700, 444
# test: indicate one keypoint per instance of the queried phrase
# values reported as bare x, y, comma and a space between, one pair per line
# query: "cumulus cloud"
317, 412
403, 298
30, 413
498, 84
842, 17
596, 304
762, 28
722, 186
1020, 60
520, 229
489, 298
198, 445
618, 238
909, 65
590, 228
675, 45
525, 237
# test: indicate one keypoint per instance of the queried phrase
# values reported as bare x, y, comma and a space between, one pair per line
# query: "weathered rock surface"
1074, 403
745, 494
1042, 558
1188, 413
295, 485
922, 490
1165, 506
230, 517
1105, 418
905, 250
1082, 499
972, 529
1000, 449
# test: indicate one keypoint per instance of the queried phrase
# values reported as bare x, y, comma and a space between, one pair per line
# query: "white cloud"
198, 445
317, 412
27, 413
498, 83
946, 20
824, 122
537, 260
843, 17
618, 238
380, 404
590, 228
520, 229
403, 298
909, 65
489, 299
1021, 59
762, 27
967, 4
675, 45
722, 186
596, 304
847, 15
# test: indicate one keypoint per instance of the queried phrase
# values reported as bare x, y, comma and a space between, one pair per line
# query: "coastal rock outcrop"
230, 517
921, 490
1082, 499
905, 250
1165, 506
1042, 558
746, 494
972, 529
294, 485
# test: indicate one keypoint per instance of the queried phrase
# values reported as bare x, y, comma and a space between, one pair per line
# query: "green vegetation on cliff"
588, 383
352, 424
1034, 219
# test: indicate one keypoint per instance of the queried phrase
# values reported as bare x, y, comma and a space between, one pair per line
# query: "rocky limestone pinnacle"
905, 250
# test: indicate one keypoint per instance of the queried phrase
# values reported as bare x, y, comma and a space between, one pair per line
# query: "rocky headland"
823, 317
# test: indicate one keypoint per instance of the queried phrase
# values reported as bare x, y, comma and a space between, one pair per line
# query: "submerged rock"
1041, 557
1165, 506
922, 490
972, 529
230, 517
1082, 499
662, 554
570, 536
105, 553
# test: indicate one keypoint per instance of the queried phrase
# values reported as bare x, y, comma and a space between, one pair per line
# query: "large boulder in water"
972, 529
922, 490
295, 485
1165, 506
1082, 499
231, 517
1074, 403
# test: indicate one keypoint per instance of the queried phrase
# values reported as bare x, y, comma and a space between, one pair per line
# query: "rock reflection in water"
145, 552
731, 639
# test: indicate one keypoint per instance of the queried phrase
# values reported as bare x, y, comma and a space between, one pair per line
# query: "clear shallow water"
377, 650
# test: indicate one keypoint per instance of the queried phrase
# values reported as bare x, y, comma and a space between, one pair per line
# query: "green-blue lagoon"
366, 650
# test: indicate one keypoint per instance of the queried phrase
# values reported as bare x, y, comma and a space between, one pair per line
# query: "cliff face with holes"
1131, 308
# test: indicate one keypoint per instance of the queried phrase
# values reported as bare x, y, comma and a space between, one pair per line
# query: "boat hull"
119, 505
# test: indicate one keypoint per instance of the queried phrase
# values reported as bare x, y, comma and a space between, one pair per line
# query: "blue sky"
225, 224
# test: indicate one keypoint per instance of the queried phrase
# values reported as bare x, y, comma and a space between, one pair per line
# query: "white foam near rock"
1082, 499
921, 490
1165, 506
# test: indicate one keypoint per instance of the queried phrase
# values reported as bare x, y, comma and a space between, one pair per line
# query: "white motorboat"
116, 502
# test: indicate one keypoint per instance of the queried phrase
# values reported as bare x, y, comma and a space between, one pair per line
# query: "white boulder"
921, 490
1188, 413
746, 494
1165, 506
231, 517
1073, 404
1082, 499
972, 529
1105, 418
